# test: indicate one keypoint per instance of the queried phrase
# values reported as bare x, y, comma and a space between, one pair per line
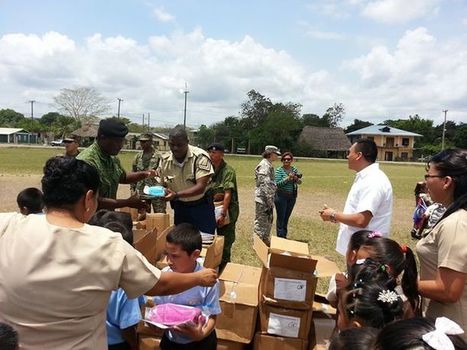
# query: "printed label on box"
286, 326
289, 289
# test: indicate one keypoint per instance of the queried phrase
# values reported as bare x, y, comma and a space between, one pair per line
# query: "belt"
202, 200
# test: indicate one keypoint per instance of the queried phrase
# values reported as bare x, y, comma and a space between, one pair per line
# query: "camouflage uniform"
224, 178
264, 199
109, 168
146, 161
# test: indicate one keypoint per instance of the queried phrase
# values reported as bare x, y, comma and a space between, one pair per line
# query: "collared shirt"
55, 282
444, 246
204, 298
145, 161
371, 191
265, 183
283, 182
109, 168
180, 176
225, 179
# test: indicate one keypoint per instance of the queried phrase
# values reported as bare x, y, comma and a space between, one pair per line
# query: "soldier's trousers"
228, 231
263, 222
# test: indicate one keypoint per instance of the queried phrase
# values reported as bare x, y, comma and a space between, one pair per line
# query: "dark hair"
186, 236
453, 163
407, 335
96, 218
362, 299
32, 199
399, 259
116, 226
8, 337
355, 339
178, 132
66, 180
286, 154
118, 216
368, 148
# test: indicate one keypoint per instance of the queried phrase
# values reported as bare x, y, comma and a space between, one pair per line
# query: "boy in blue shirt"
183, 248
123, 314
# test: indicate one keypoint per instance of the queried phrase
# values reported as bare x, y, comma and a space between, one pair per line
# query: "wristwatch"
332, 217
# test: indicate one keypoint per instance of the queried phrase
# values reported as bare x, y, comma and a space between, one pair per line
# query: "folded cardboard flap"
293, 261
145, 242
158, 220
289, 245
271, 342
325, 267
213, 253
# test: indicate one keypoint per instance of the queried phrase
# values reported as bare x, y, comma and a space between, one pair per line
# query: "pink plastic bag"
174, 315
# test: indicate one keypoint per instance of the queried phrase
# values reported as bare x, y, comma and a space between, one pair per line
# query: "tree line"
260, 122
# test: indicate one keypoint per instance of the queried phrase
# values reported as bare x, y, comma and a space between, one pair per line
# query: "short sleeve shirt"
109, 168
180, 176
55, 282
205, 298
225, 179
371, 191
445, 246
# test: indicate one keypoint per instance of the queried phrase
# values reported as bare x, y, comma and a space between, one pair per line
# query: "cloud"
419, 75
163, 16
399, 11
322, 35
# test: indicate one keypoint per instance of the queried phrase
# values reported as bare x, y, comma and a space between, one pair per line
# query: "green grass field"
324, 182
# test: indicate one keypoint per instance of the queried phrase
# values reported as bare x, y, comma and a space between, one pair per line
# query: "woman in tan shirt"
443, 250
57, 272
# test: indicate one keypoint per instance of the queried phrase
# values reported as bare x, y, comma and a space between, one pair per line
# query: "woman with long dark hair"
443, 250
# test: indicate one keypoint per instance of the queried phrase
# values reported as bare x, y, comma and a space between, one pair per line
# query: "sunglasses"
287, 159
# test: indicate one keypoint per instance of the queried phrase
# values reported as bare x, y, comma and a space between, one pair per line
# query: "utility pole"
149, 120
32, 108
119, 101
143, 120
444, 128
184, 111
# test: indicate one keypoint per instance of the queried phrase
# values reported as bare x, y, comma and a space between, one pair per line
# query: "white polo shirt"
371, 191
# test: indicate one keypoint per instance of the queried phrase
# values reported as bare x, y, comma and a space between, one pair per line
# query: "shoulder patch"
203, 162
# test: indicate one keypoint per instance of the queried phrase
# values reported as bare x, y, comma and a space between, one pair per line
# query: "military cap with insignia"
216, 147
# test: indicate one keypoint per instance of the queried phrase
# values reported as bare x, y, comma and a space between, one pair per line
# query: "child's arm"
129, 334
200, 331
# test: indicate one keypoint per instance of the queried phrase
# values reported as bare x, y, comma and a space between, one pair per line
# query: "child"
421, 334
370, 300
30, 201
8, 337
355, 339
183, 248
123, 314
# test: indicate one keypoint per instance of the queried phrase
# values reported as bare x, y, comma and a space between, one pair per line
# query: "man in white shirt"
369, 202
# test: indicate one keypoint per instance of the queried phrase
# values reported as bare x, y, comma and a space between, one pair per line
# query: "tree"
49, 118
357, 125
334, 114
10, 118
82, 104
315, 120
204, 136
256, 109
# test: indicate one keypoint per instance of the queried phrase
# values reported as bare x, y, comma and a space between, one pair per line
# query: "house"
326, 142
393, 143
159, 140
16, 136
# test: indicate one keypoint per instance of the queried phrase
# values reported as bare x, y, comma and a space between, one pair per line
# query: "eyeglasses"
427, 176
287, 159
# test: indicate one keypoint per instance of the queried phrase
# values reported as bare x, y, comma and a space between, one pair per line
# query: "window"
405, 141
404, 155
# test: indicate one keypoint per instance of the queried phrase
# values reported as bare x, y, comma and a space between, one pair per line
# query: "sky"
382, 59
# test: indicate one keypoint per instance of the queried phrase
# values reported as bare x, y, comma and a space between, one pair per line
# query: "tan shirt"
180, 176
55, 282
446, 246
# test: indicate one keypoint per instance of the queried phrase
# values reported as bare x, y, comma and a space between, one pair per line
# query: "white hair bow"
438, 339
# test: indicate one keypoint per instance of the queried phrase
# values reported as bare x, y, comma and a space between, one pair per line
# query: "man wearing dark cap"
147, 159
186, 172
102, 154
71, 146
224, 188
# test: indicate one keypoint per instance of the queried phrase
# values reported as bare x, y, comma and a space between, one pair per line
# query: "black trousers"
208, 343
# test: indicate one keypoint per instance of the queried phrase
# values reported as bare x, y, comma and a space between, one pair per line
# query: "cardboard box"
283, 322
145, 242
239, 303
132, 211
211, 255
149, 343
271, 342
160, 221
321, 333
229, 345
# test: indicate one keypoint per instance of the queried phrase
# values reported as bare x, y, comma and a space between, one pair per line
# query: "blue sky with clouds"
380, 58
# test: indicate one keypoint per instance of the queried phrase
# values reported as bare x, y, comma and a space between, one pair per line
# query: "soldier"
224, 187
102, 155
71, 145
264, 193
147, 159
186, 172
